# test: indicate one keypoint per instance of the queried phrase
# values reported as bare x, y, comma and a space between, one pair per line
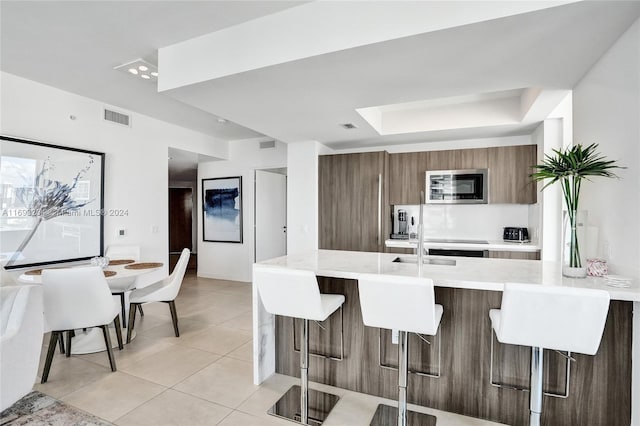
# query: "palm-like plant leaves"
570, 166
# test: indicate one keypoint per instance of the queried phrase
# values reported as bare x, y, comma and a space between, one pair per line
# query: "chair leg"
55, 338
141, 311
61, 342
116, 323
174, 317
535, 395
107, 342
123, 310
132, 320
69, 336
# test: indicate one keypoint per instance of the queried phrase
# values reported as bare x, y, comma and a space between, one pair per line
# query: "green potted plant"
570, 166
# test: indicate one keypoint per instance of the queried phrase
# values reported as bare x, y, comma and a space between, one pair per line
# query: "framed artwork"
52, 203
222, 209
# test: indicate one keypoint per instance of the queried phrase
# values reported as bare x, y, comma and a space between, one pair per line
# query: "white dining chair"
123, 252
21, 328
119, 286
164, 291
77, 298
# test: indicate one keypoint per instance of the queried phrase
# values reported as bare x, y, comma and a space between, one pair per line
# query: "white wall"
302, 194
549, 136
232, 261
136, 163
607, 111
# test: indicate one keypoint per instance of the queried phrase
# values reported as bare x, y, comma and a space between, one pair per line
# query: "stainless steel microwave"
457, 186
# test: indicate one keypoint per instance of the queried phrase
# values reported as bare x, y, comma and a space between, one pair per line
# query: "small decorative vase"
574, 243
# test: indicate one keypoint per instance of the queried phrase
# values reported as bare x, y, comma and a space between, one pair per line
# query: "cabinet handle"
380, 209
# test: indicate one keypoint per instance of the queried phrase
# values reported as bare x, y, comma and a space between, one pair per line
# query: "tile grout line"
135, 408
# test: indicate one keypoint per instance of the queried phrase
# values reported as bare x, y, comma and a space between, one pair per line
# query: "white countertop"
468, 273
492, 245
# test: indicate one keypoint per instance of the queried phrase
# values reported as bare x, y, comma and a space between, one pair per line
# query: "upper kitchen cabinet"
407, 170
406, 177
353, 201
509, 170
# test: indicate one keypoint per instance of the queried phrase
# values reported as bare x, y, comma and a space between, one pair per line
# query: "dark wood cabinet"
406, 177
509, 170
354, 208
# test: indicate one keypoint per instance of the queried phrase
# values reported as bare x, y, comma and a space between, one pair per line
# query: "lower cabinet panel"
600, 385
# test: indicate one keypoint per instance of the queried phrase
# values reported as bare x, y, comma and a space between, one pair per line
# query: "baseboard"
221, 277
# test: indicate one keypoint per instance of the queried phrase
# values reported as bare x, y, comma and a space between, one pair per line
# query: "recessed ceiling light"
140, 68
221, 120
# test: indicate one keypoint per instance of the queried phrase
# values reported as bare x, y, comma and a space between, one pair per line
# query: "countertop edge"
492, 245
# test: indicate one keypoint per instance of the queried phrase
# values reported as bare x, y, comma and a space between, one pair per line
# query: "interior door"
180, 219
271, 215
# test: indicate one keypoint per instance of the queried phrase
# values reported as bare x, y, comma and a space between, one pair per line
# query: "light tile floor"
202, 378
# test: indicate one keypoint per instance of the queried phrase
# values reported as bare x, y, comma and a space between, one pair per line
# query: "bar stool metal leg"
304, 374
403, 360
301, 404
388, 416
535, 402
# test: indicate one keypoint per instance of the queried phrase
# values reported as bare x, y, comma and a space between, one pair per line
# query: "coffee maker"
402, 222
400, 225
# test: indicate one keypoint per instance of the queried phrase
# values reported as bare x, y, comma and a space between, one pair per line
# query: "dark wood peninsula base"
599, 388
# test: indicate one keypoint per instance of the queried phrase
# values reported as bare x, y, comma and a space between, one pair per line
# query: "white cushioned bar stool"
294, 293
544, 317
406, 304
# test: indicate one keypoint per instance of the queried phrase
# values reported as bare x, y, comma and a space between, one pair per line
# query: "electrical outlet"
155, 229
121, 232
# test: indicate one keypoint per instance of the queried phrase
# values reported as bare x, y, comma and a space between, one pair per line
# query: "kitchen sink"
425, 260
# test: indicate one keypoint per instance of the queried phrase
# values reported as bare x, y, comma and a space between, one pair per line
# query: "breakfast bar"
475, 380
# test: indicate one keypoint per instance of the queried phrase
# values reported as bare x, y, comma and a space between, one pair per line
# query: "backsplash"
470, 221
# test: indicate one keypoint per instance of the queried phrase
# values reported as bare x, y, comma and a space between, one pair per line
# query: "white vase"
574, 243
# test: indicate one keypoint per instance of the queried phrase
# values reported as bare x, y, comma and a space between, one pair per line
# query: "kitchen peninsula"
600, 387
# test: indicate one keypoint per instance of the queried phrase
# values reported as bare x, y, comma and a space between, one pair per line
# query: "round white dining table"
91, 340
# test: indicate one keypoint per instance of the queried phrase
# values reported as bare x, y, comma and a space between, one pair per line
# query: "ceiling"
309, 98
183, 165
75, 45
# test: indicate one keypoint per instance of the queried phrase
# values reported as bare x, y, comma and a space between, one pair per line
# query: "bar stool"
295, 293
556, 318
406, 304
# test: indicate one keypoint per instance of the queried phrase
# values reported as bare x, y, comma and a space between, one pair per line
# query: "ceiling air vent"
117, 117
349, 126
268, 144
